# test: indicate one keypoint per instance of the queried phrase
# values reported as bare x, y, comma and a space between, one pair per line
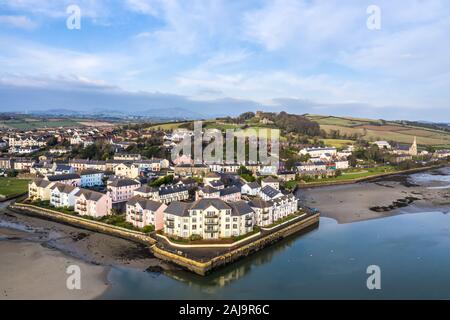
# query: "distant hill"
371, 129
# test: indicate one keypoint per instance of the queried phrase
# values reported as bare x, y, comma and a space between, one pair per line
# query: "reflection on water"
225, 275
438, 179
329, 262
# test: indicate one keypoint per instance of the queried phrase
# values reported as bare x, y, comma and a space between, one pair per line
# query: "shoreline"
25, 240
372, 178
356, 202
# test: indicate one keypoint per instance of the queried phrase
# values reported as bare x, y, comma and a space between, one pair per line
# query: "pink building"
184, 159
122, 189
92, 203
142, 212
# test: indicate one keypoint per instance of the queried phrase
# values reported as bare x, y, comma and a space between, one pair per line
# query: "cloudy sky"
228, 56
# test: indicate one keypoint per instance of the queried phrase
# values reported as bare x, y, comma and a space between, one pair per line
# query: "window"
235, 226
227, 226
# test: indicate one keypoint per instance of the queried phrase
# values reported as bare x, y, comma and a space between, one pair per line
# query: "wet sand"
30, 271
352, 203
37, 253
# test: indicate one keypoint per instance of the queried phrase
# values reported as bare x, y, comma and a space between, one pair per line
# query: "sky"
218, 57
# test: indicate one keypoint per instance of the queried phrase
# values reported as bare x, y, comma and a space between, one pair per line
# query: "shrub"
148, 229
195, 237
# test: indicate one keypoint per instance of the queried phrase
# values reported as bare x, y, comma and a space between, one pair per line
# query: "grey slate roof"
240, 208
63, 188
203, 204
254, 185
230, 190
216, 183
269, 191
146, 189
271, 180
62, 177
89, 172
42, 183
90, 195
259, 203
145, 203
123, 182
209, 190
178, 208
172, 189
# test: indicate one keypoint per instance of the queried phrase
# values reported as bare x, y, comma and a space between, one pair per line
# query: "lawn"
354, 174
10, 187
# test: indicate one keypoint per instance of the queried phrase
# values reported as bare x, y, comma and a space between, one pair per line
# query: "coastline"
353, 202
43, 249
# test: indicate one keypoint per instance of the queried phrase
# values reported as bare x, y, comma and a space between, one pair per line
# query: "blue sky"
224, 56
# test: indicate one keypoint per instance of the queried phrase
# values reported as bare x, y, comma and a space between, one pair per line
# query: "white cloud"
143, 6
21, 22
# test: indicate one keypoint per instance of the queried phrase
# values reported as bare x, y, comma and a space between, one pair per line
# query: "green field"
29, 124
12, 186
337, 143
167, 126
373, 130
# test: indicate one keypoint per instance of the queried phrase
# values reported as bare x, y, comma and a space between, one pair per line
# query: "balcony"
211, 222
211, 231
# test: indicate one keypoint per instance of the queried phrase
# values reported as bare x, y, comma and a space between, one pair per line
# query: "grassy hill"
383, 130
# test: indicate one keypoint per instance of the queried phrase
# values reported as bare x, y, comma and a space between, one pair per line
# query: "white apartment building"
208, 218
63, 195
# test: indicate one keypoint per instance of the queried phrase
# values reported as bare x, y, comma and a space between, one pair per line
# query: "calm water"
412, 250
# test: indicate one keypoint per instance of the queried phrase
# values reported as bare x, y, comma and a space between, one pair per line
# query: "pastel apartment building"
40, 189
92, 203
165, 194
142, 212
127, 170
122, 189
91, 178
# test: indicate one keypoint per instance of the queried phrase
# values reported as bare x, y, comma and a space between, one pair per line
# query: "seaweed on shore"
399, 203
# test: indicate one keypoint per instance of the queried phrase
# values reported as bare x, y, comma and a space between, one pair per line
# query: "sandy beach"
43, 249
352, 203
43, 273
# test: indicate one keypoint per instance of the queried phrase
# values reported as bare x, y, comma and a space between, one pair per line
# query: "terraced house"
40, 189
92, 203
63, 195
208, 219
121, 189
142, 212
